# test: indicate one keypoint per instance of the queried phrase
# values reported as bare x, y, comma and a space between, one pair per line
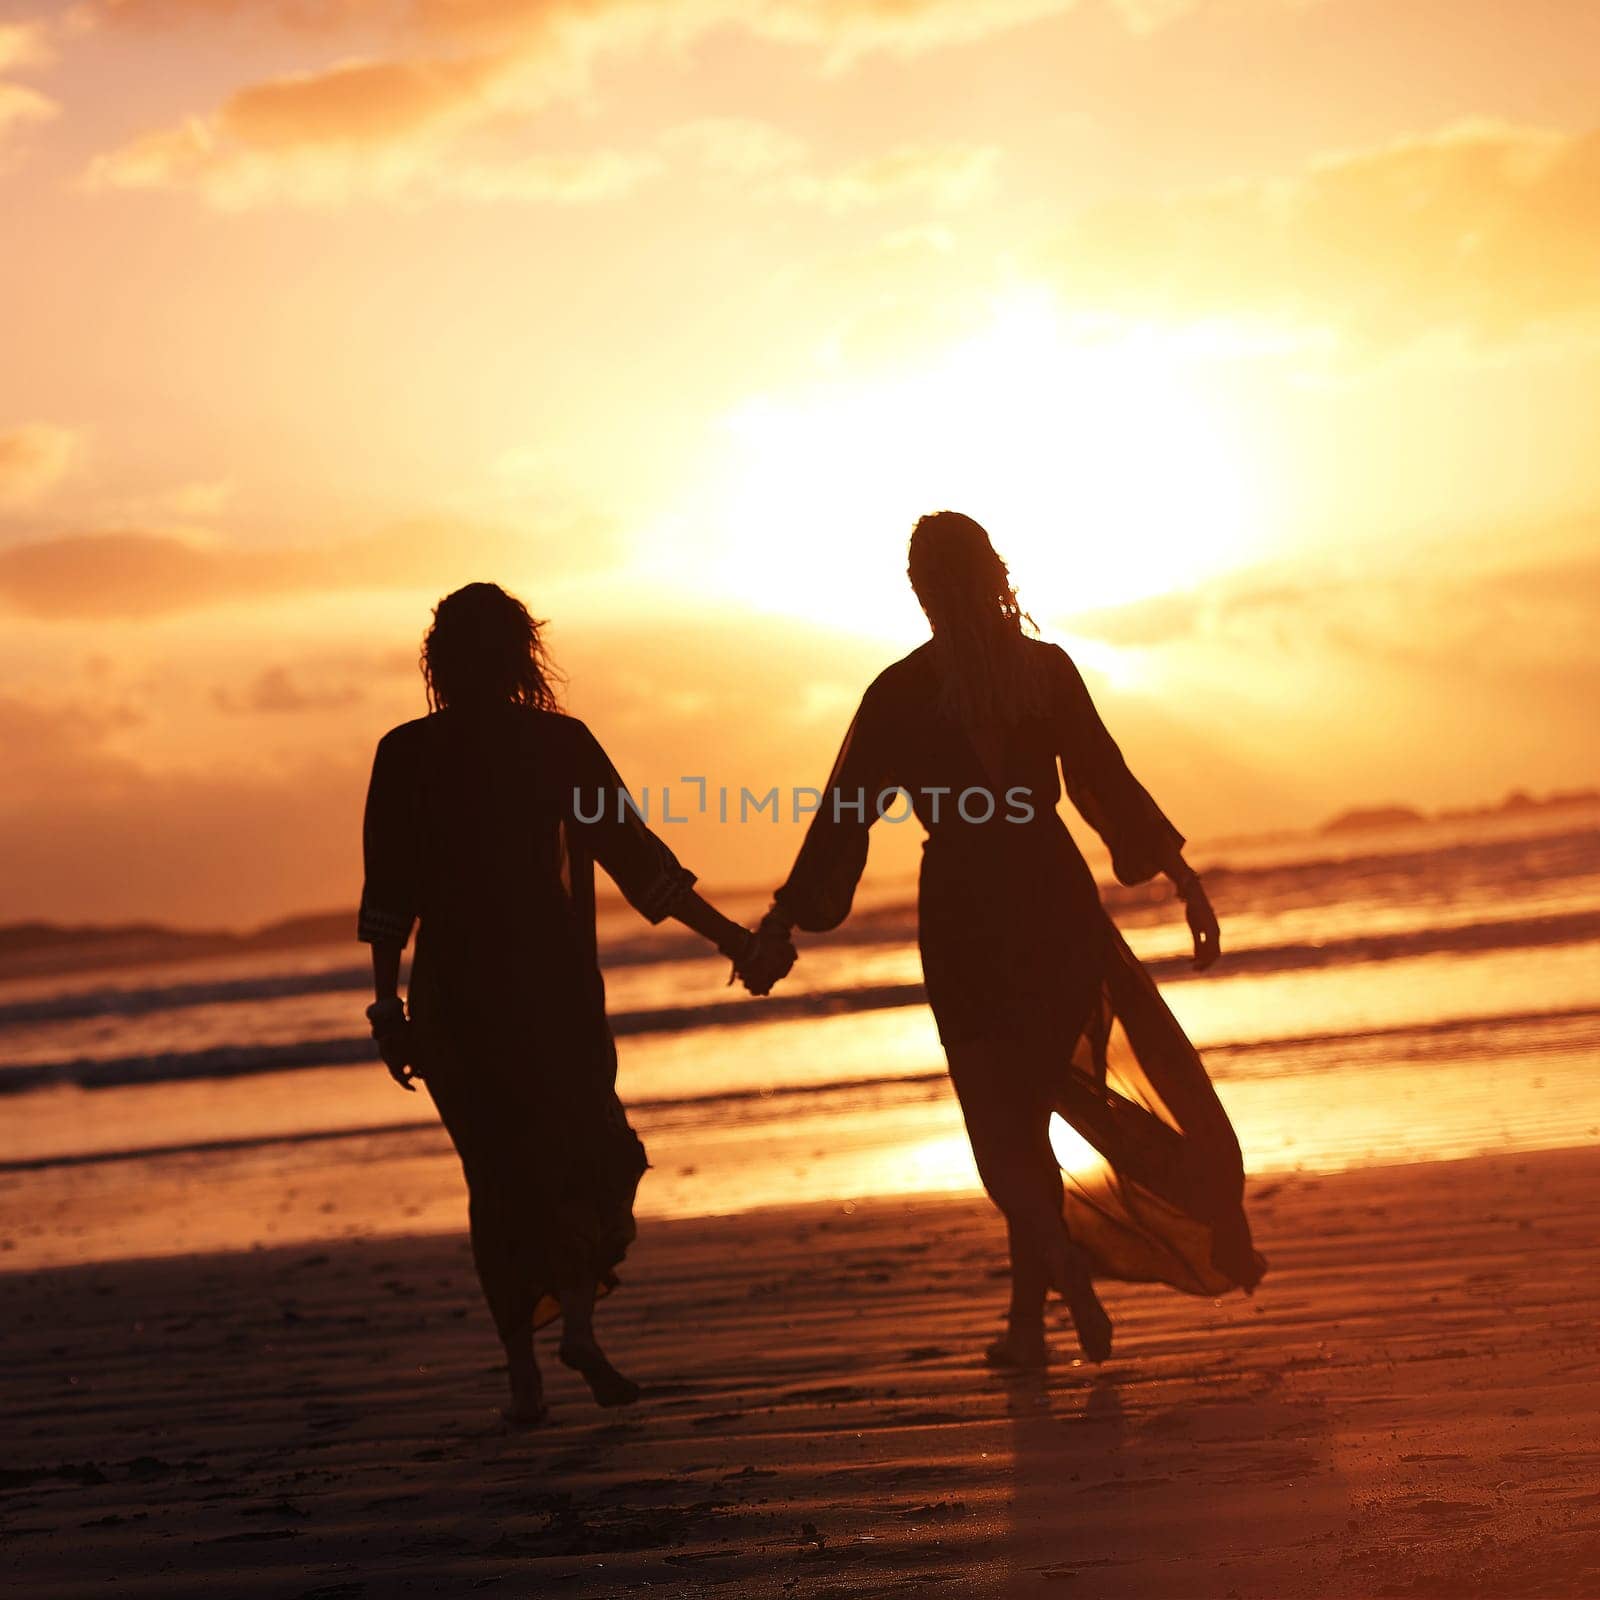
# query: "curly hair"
485, 648
990, 675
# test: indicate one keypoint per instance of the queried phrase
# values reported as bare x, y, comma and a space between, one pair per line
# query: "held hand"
768, 957
1203, 925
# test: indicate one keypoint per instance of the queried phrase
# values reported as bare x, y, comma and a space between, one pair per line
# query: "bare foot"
1076, 1287
1019, 1350
527, 1408
1088, 1316
606, 1384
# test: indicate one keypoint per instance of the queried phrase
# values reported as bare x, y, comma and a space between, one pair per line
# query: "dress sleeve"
822, 883
390, 848
608, 825
1110, 799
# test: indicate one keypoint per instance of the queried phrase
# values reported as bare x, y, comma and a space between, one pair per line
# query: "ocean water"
1414, 994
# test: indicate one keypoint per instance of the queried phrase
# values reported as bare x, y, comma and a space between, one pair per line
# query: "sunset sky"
1264, 335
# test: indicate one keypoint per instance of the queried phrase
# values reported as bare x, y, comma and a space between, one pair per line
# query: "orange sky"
1263, 334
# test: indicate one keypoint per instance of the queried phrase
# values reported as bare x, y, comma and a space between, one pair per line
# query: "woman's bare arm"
758, 963
385, 971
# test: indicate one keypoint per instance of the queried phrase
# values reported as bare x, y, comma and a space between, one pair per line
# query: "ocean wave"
1459, 872
243, 1059
1524, 1033
1513, 933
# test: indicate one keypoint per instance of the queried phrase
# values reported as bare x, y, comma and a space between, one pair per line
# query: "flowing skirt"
1164, 1200
528, 1098
1018, 947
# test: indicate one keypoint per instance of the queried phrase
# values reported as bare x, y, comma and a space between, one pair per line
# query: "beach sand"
1408, 1406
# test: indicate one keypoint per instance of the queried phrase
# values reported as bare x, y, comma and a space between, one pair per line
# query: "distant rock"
1361, 818
1517, 802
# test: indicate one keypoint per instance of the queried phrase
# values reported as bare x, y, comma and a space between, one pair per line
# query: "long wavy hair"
484, 649
988, 671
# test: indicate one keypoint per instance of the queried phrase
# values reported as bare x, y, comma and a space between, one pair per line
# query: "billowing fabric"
482, 830
1017, 946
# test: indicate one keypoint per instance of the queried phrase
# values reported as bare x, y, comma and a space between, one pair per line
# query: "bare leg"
1030, 1283
527, 1405
511, 1308
580, 1350
1007, 1111
1022, 1347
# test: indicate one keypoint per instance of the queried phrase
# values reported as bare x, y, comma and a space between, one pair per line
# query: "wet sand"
1409, 1406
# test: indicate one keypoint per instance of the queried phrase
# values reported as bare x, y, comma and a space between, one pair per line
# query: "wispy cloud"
134, 574
23, 45
285, 691
1484, 229
944, 176
768, 163
1495, 605
427, 110
34, 458
234, 175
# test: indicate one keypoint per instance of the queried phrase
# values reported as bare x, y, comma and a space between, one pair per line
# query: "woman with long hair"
1040, 1005
483, 822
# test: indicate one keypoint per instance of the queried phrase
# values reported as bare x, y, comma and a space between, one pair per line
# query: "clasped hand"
767, 958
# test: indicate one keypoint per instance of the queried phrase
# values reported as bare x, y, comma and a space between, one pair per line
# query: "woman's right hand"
769, 957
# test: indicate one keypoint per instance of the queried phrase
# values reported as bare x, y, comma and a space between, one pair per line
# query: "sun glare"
1096, 459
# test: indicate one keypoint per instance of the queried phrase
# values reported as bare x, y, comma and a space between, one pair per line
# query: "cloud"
202, 498
33, 460
41, 739
87, 831
848, 26
277, 691
103, 575
22, 44
391, 130
943, 176
1501, 605
355, 103
427, 116
234, 176
1482, 229
740, 147
384, 129
772, 164
849, 29
315, 16
144, 574
20, 106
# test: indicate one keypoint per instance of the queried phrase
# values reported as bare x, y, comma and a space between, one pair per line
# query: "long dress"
482, 828
1016, 946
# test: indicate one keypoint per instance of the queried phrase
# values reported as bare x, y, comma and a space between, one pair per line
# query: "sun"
1097, 458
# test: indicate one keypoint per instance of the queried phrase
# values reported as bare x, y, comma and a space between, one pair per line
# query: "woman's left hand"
1203, 925
769, 957
391, 1029
395, 1048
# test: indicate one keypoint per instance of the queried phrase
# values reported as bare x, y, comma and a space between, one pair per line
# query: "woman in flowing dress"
1040, 1005
483, 823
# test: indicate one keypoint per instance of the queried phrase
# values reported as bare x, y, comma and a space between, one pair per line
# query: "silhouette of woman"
1041, 1007
483, 822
